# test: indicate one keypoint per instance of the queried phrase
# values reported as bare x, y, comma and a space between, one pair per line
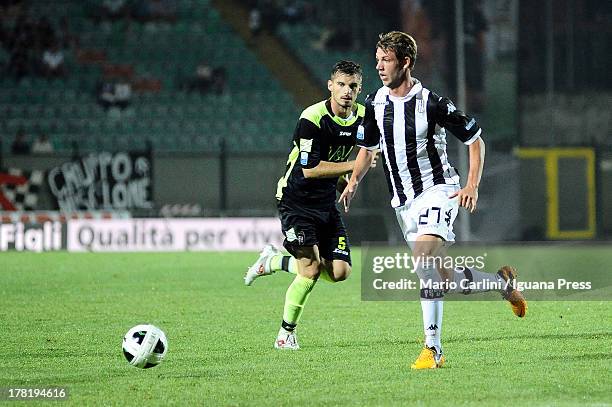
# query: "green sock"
296, 297
281, 262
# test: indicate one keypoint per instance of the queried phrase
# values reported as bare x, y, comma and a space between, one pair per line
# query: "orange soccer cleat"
429, 358
512, 295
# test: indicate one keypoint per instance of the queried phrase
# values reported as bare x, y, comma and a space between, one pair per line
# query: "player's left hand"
468, 197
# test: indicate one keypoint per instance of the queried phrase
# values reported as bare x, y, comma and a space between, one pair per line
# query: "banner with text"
196, 234
31, 237
103, 181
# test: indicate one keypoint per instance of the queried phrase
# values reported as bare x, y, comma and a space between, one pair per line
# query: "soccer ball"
145, 346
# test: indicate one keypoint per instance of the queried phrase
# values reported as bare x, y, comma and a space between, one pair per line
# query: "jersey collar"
416, 88
343, 122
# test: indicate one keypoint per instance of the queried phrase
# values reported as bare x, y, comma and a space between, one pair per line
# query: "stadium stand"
154, 58
313, 41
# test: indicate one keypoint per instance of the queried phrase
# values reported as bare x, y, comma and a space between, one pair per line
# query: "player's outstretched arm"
468, 195
365, 159
327, 169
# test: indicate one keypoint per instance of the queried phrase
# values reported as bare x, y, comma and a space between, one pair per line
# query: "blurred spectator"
294, 11
219, 80
30, 48
106, 95
332, 38
208, 79
204, 78
42, 145
20, 145
123, 94
267, 14
53, 62
255, 22
114, 94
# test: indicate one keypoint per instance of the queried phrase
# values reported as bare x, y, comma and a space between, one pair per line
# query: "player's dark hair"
347, 68
401, 43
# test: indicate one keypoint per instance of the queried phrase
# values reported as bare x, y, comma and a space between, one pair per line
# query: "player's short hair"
401, 43
347, 68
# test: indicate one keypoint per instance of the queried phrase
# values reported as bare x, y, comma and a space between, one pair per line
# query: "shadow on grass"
532, 336
578, 358
471, 339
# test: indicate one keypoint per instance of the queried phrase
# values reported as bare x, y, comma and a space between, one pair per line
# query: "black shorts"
303, 227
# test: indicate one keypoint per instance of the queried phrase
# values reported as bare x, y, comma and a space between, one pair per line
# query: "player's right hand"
348, 194
374, 158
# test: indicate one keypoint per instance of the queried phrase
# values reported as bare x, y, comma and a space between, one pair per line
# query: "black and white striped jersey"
410, 131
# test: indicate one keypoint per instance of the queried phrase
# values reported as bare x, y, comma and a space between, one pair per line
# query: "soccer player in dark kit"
314, 232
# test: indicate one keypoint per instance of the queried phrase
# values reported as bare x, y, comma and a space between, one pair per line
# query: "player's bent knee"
428, 245
308, 268
308, 261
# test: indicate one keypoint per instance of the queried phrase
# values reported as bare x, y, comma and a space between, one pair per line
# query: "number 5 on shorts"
342, 242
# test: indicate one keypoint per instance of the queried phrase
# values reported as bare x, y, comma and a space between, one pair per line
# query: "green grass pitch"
63, 316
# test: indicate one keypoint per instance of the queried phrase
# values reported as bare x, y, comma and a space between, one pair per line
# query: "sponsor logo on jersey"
420, 103
447, 217
360, 133
470, 124
385, 103
341, 153
345, 133
290, 235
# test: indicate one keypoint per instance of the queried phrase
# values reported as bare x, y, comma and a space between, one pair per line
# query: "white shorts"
431, 213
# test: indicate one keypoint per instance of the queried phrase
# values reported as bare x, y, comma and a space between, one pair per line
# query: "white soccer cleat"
286, 340
262, 266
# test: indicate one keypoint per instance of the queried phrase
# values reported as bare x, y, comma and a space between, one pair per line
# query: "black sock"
287, 326
285, 263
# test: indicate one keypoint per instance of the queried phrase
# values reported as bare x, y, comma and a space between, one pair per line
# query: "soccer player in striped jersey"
315, 235
407, 122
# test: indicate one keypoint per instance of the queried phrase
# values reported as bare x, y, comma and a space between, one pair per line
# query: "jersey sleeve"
457, 122
308, 139
368, 134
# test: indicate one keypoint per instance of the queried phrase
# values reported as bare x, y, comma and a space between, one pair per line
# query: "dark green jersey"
319, 136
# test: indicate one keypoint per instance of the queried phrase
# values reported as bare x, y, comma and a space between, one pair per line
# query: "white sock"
432, 306
429, 309
438, 335
432, 322
483, 282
